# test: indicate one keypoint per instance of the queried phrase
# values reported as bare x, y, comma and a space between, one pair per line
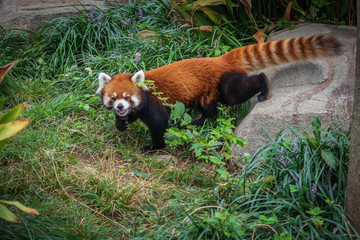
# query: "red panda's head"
120, 92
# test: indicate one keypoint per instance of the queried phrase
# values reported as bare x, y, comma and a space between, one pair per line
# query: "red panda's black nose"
120, 106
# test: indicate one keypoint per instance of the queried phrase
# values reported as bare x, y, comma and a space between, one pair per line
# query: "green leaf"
216, 160
223, 173
2, 101
20, 206
12, 114
190, 135
144, 25
200, 3
225, 48
6, 214
175, 114
293, 188
329, 158
216, 144
318, 222
315, 212
196, 146
282, 236
198, 152
269, 220
11, 128
187, 118
316, 124
217, 53
86, 107
330, 202
212, 15
179, 108
241, 141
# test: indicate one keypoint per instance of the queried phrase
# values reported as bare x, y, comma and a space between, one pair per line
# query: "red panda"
202, 82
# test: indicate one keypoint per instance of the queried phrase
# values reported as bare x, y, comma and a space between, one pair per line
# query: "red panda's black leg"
207, 111
157, 139
236, 88
157, 119
157, 136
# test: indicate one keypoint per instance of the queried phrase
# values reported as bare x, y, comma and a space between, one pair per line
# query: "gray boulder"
303, 90
29, 15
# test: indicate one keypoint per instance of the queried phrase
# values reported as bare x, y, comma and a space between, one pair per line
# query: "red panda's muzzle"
122, 112
122, 107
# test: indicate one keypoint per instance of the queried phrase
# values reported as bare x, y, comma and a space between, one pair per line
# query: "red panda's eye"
113, 98
126, 98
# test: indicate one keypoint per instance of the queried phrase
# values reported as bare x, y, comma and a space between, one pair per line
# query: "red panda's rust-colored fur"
198, 78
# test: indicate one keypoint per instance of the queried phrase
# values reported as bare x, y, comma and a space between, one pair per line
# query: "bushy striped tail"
260, 56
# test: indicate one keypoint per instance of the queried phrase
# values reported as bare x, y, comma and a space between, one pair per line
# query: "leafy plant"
9, 126
210, 145
206, 14
238, 15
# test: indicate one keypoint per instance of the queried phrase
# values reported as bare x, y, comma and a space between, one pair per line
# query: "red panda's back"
189, 81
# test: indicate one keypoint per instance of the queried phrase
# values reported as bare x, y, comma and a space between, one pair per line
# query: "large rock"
28, 15
304, 90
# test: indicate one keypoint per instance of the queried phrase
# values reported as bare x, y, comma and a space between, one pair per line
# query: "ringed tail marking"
260, 56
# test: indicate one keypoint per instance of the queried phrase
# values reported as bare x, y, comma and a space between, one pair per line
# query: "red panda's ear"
138, 78
103, 80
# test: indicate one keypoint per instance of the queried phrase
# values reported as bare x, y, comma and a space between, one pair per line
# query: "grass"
90, 181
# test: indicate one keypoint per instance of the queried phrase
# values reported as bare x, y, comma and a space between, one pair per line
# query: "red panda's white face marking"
136, 100
122, 107
120, 92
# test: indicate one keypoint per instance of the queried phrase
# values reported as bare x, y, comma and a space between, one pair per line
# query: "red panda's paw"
149, 149
265, 96
146, 148
121, 125
198, 121
123, 128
